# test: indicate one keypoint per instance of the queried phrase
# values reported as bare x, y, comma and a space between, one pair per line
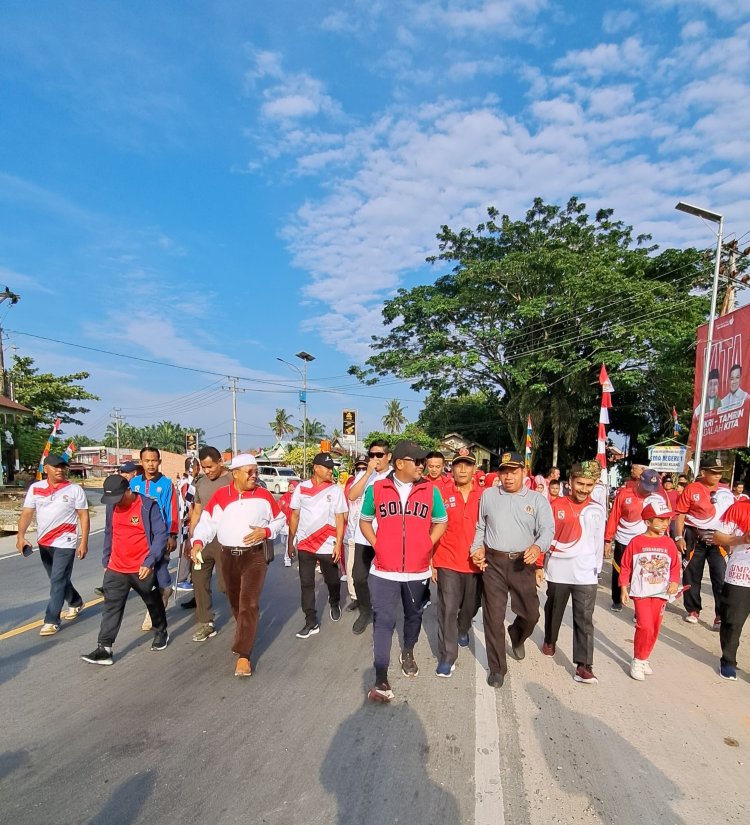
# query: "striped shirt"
56, 512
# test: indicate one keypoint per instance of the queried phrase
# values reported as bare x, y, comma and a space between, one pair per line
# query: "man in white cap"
318, 510
242, 516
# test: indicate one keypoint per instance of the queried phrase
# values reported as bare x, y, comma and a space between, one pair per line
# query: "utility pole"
116, 416
6, 295
234, 389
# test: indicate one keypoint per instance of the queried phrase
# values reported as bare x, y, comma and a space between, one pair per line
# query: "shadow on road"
11, 761
376, 766
127, 800
576, 746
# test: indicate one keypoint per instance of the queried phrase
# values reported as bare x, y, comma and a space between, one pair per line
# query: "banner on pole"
667, 458
727, 416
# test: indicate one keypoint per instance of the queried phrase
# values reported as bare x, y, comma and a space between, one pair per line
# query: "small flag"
606, 405
677, 427
528, 445
69, 450
47, 448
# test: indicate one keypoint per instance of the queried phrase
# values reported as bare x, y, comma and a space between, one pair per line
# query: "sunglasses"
418, 461
376, 455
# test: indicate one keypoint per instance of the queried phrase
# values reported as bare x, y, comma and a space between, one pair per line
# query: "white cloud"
505, 17
614, 22
628, 57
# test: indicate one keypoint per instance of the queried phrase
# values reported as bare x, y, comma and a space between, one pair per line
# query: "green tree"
412, 432
533, 307
281, 424
316, 431
394, 418
477, 416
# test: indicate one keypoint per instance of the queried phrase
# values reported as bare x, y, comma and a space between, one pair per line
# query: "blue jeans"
58, 562
386, 595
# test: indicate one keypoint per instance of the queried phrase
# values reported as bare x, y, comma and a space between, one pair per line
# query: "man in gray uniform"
515, 527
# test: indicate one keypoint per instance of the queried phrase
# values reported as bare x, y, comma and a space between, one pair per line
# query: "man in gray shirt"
515, 528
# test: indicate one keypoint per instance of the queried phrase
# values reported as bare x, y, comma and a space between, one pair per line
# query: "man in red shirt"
135, 538
700, 508
458, 578
435, 472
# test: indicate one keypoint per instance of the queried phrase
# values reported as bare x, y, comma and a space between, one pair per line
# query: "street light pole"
306, 357
714, 217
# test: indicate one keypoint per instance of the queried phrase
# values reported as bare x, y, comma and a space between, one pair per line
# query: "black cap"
115, 488
128, 467
650, 480
468, 458
55, 461
361, 460
512, 460
408, 449
324, 460
713, 466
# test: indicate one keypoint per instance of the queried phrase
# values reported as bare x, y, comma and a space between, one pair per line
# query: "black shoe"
616, 608
408, 665
189, 604
352, 606
361, 624
99, 657
161, 640
335, 612
495, 680
308, 630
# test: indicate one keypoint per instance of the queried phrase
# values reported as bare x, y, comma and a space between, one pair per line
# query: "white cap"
242, 460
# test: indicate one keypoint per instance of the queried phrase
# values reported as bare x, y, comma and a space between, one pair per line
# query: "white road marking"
489, 806
16, 554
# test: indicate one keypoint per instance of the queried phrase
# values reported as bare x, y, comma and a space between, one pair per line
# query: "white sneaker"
287, 561
48, 629
647, 668
637, 671
72, 613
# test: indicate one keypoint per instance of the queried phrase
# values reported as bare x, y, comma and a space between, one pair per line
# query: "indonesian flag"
47, 448
601, 442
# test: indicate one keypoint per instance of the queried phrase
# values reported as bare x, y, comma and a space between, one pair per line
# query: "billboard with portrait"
727, 418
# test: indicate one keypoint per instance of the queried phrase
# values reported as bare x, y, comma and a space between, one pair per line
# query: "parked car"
276, 478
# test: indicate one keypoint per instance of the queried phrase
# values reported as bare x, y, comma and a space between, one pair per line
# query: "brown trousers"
502, 576
204, 607
244, 575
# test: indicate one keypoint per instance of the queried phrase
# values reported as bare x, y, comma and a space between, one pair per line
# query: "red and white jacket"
577, 549
625, 522
230, 515
703, 507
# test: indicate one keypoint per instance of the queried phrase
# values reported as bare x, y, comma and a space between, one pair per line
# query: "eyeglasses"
418, 461
376, 455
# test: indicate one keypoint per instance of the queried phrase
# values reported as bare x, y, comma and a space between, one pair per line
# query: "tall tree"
394, 418
281, 424
316, 430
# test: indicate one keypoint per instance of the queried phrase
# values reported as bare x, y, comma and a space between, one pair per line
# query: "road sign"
191, 442
349, 427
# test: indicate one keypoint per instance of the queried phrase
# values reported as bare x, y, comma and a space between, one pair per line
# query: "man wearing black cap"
135, 538
318, 509
411, 518
62, 515
515, 527
700, 508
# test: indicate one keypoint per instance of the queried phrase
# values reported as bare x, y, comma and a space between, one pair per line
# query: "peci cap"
128, 467
323, 460
650, 480
243, 460
656, 508
408, 449
467, 458
115, 488
512, 461
53, 460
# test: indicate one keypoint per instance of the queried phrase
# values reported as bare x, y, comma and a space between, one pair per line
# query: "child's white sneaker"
637, 670
647, 668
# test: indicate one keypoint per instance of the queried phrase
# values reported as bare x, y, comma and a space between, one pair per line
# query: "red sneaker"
585, 675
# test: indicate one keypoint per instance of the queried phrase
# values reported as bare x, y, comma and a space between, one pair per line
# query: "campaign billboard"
727, 417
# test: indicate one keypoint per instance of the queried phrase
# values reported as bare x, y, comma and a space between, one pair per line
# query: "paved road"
172, 737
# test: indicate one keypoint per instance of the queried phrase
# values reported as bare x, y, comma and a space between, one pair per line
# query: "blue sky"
216, 185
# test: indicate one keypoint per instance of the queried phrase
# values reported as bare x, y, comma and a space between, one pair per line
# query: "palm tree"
316, 431
394, 418
281, 424
335, 433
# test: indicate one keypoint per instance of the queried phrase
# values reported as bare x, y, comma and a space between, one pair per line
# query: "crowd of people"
403, 523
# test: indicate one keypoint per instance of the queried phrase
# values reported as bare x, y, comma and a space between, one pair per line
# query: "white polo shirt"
318, 507
56, 516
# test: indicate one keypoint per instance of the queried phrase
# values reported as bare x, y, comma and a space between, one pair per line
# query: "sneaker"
408, 665
548, 649
344, 578
463, 639
352, 606
426, 604
335, 612
380, 693
287, 561
146, 626
72, 613
308, 630
48, 629
728, 672
361, 624
637, 671
161, 640
204, 631
519, 651
189, 604
495, 680
716, 625
445, 670
616, 608
100, 656
99, 591
243, 667
692, 617
585, 675
647, 668
184, 585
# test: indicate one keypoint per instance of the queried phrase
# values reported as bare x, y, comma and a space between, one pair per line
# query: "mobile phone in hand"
27, 550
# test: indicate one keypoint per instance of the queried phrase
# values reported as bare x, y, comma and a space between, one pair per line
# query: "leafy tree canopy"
166, 435
412, 432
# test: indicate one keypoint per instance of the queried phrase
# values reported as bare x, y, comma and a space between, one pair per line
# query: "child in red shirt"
649, 573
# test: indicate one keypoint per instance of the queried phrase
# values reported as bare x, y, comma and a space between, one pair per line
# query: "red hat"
292, 483
656, 508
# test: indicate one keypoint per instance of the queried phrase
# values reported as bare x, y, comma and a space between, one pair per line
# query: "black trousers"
116, 587
458, 602
735, 608
331, 576
698, 553
617, 553
363, 557
584, 600
505, 576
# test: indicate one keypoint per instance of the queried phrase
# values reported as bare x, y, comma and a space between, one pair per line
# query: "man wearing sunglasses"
378, 467
411, 517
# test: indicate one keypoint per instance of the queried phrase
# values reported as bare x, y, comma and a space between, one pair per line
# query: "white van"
277, 478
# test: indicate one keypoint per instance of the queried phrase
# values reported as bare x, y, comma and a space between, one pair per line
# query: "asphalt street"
173, 737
